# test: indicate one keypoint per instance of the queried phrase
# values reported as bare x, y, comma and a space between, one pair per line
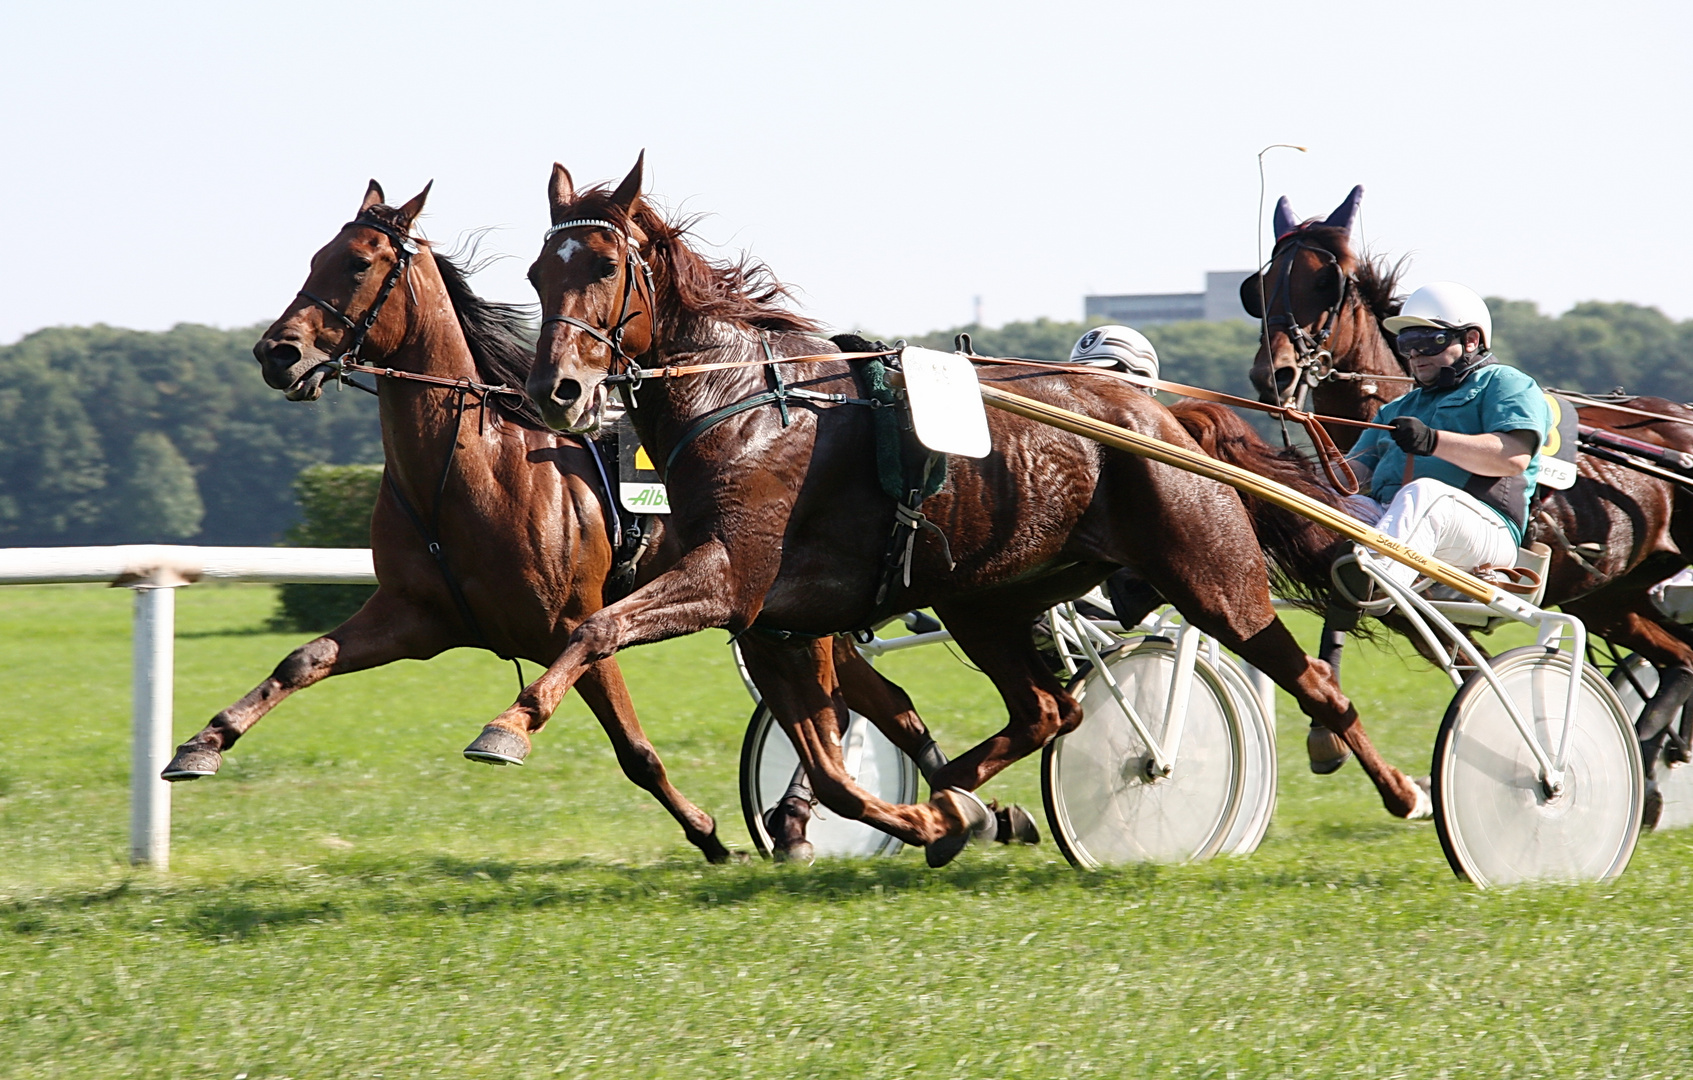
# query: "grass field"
350, 898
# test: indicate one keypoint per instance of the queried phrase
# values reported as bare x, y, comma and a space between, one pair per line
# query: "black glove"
1414, 436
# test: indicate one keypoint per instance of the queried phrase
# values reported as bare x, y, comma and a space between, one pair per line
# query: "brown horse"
1613, 535
519, 511
785, 528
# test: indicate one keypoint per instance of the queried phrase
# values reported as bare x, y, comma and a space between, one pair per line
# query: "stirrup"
1355, 588
1520, 580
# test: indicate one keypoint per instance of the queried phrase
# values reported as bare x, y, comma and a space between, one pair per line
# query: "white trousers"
1437, 519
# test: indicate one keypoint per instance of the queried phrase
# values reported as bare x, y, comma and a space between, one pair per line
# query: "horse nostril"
566, 392
279, 353
1284, 378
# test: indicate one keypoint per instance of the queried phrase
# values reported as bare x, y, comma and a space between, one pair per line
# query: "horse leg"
1244, 622
385, 629
1038, 708
693, 595
798, 683
1325, 750
887, 705
602, 687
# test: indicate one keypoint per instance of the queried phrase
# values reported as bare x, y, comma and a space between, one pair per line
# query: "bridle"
404, 248
345, 363
611, 334
1312, 360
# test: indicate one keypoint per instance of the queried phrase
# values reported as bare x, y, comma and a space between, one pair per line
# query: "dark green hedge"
335, 506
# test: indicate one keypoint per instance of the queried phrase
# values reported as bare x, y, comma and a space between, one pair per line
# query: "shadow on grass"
240, 919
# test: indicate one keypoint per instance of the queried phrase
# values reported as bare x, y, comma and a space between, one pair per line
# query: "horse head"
1300, 295
596, 298
350, 300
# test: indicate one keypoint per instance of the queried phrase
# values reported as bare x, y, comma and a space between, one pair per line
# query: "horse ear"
1346, 211
1251, 298
630, 190
372, 196
560, 191
409, 212
1285, 220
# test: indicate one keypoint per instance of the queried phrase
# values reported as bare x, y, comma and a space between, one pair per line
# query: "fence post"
150, 734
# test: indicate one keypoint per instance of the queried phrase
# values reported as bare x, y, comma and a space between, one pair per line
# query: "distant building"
1218, 303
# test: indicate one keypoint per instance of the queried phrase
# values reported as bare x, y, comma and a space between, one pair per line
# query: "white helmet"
1116, 347
1444, 303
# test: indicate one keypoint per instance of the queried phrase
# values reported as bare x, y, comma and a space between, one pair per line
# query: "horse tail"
1300, 551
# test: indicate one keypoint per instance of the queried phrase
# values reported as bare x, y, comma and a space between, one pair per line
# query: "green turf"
352, 898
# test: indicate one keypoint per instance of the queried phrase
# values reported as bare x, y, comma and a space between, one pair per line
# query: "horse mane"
501, 340
695, 288
1300, 551
501, 336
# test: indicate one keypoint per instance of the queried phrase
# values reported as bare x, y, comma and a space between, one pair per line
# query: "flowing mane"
695, 288
501, 336
501, 339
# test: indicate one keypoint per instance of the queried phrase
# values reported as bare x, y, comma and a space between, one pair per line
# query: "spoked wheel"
1496, 821
1635, 681
1258, 799
1103, 802
768, 764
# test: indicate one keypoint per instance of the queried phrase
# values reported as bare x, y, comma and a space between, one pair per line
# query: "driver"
1453, 476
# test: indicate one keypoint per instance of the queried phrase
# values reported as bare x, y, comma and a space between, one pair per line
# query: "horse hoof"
785, 824
979, 824
191, 764
497, 746
1327, 751
1425, 801
1014, 825
801, 853
1652, 807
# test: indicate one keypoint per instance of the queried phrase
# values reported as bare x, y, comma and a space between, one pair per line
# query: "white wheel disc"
1258, 799
768, 762
1100, 803
1635, 680
1495, 820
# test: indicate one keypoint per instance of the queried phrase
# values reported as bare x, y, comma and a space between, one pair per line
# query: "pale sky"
179, 162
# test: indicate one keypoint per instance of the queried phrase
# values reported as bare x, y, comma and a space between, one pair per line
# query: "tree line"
120, 436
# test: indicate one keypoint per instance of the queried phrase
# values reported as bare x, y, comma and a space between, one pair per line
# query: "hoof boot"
979, 824
1326, 750
1014, 825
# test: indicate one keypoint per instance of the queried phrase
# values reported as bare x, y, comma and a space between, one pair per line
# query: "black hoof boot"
497, 746
785, 822
979, 824
191, 763
1652, 808
1014, 825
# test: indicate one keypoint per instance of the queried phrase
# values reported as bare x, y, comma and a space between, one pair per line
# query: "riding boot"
1326, 750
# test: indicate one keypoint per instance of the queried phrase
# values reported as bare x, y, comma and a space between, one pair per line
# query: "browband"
580, 223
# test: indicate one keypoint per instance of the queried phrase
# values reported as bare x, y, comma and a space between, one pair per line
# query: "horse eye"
357, 265
605, 267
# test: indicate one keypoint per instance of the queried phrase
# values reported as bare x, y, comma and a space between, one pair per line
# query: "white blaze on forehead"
568, 249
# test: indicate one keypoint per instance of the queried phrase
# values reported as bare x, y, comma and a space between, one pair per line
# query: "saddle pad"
639, 488
1557, 457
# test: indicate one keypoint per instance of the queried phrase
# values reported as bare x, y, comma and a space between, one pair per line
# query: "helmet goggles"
1427, 340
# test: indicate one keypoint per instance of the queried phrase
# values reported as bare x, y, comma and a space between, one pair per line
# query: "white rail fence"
155, 572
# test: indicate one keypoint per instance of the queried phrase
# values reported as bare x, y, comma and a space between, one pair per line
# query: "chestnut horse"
518, 510
1613, 535
785, 527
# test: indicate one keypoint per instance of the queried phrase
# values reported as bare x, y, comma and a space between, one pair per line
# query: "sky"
180, 162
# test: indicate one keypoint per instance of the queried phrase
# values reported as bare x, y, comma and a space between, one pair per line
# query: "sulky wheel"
1258, 800
1103, 802
768, 763
1635, 681
1495, 818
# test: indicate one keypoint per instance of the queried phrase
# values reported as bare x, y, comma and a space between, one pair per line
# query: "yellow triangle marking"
642, 461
